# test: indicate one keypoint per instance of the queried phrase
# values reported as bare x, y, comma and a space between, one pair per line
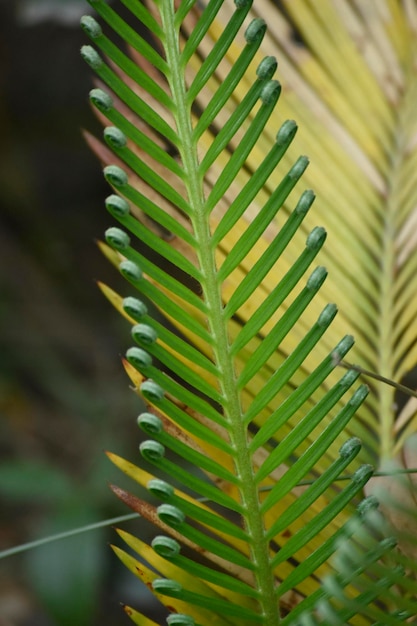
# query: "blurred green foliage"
64, 396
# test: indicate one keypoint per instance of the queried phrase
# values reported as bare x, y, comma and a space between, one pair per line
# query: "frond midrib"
386, 360
217, 323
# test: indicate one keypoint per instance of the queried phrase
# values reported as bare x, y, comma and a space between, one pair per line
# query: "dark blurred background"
64, 397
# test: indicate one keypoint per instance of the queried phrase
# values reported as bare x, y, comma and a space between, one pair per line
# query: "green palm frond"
203, 165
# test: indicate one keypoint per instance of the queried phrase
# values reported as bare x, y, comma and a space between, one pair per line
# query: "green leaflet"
252, 404
364, 560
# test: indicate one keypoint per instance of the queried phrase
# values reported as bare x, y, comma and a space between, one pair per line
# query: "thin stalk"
382, 379
37, 543
217, 322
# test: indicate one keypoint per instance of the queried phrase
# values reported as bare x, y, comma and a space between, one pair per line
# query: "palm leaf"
255, 400
356, 101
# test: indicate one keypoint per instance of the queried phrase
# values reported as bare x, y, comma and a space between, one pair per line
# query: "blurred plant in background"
63, 395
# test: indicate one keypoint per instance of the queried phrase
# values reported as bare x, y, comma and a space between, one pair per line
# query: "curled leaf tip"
349, 378
131, 271
241, 4
317, 278
101, 100
266, 68
117, 238
327, 315
150, 423
91, 26
371, 503
298, 168
270, 93
152, 450
359, 396
388, 544
256, 30
306, 200
139, 358
165, 546
316, 238
342, 348
160, 488
134, 307
114, 137
363, 474
91, 57
164, 585
115, 175
351, 447
144, 334
152, 391
286, 132
171, 515
179, 619
117, 206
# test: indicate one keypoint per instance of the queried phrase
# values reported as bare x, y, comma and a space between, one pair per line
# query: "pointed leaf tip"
127, 498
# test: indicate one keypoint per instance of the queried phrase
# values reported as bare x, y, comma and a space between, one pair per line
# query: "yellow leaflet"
142, 478
188, 581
